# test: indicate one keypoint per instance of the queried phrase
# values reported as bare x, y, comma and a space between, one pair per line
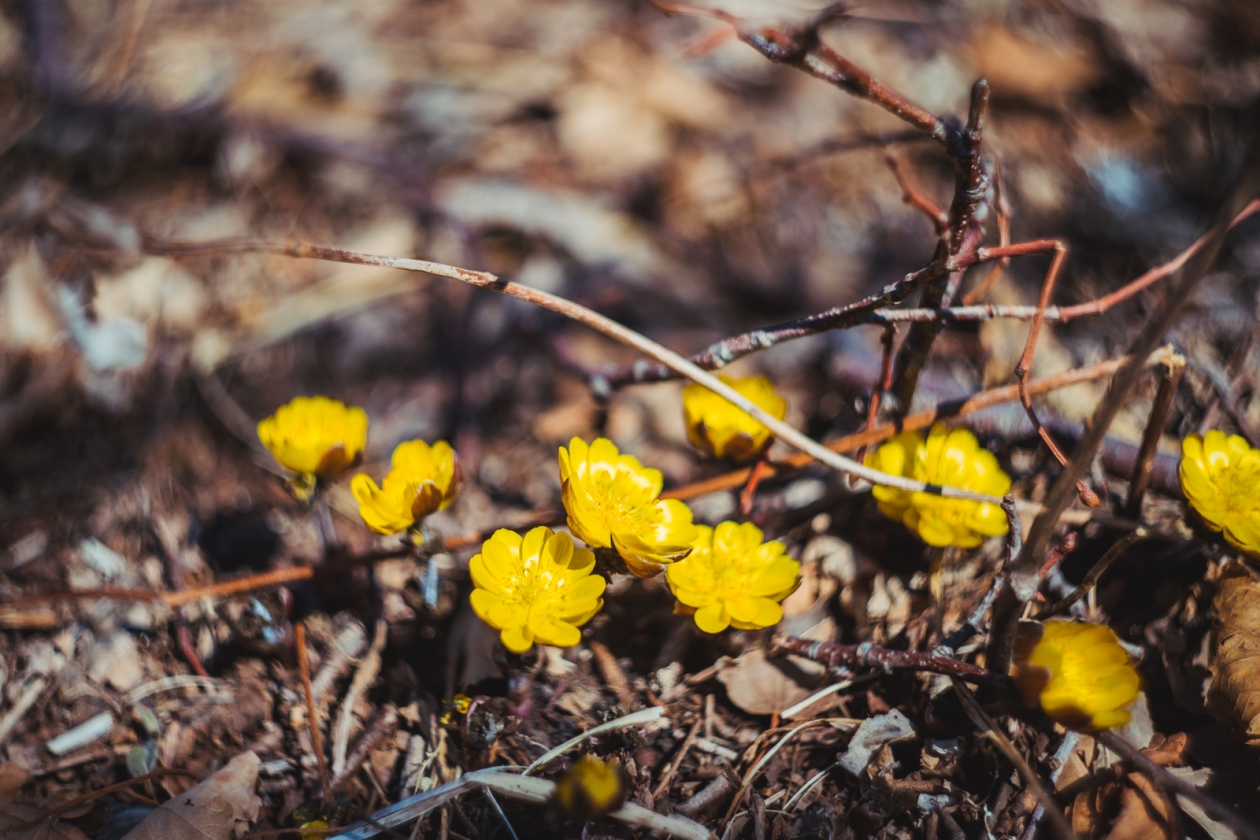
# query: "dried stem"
912, 195
1023, 580
867, 655
1022, 369
312, 714
871, 311
603, 324
914, 422
974, 625
1151, 435
1100, 568
983, 721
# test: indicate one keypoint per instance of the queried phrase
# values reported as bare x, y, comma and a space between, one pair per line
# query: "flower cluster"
314, 437
422, 479
1078, 673
1220, 476
536, 588
733, 579
318, 438
613, 501
949, 458
724, 431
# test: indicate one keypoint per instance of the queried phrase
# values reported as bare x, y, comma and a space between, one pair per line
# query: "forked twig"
871, 310
1088, 496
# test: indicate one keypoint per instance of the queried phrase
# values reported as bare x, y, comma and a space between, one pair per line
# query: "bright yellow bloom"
951, 458
1079, 673
423, 479
1220, 476
314, 437
732, 578
721, 429
613, 501
538, 588
591, 789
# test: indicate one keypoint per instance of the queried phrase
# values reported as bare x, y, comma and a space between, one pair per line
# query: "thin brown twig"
914, 422
912, 195
869, 311
1088, 496
882, 385
981, 719
1150, 436
1100, 568
600, 323
867, 655
662, 787
312, 714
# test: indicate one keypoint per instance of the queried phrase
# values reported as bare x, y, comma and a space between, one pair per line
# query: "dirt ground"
661, 170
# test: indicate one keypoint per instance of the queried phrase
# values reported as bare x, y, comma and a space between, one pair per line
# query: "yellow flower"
591, 789
613, 501
721, 429
732, 578
1220, 476
951, 458
535, 589
1079, 673
423, 479
314, 437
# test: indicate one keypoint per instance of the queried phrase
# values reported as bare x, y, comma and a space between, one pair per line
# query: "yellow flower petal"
1080, 674
724, 431
534, 588
951, 458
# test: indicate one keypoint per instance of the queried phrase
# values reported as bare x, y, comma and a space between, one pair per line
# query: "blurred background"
638, 163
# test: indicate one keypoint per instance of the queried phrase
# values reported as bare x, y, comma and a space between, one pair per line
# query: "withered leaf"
219, 808
22, 822
1234, 694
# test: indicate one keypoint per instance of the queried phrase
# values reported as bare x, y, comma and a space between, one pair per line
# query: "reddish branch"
919, 420
868, 311
867, 655
1088, 496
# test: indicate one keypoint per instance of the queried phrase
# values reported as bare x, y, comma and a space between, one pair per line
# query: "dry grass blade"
639, 718
523, 788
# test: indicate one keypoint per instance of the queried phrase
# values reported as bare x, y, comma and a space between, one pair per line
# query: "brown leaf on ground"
1143, 813
1234, 694
21, 822
762, 686
219, 808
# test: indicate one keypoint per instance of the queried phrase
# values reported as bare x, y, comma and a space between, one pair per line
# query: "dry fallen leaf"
1234, 694
1143, 813
219, 808
763, 686
15, 819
